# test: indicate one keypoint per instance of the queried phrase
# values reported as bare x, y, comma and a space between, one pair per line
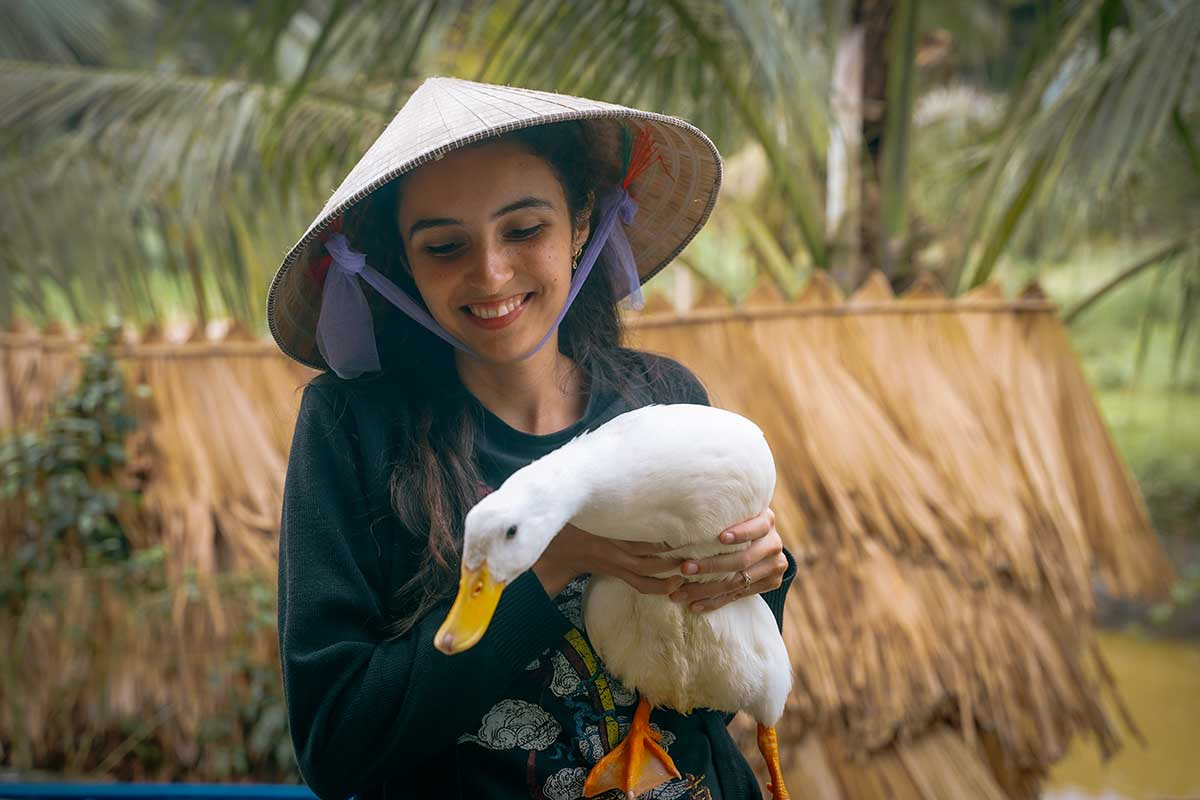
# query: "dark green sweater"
522, 714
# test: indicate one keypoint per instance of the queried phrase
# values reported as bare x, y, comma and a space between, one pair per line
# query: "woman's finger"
643, 548
754, 528
761, 548
703, 591
646, 565
763, 576
715, 602
647, 585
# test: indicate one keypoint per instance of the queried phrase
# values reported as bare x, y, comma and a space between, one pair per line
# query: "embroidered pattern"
592, 713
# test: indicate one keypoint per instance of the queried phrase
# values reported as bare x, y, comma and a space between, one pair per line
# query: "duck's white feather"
729, 659
678, 474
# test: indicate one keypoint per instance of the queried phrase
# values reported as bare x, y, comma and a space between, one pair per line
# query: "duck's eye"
511, 532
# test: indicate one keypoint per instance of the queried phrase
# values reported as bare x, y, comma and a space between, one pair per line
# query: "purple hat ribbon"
346, 336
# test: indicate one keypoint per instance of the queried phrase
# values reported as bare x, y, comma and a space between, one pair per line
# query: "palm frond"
1189, 309
1024, 106
681, 57
191, 134
1160, 255
902, 69
1107, 116
67, 30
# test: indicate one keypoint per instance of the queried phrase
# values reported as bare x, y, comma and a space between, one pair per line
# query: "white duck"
677, 474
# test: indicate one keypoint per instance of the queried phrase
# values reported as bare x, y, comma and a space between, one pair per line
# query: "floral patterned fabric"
565, 713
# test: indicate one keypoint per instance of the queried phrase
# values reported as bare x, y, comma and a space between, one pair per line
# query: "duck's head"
504, 535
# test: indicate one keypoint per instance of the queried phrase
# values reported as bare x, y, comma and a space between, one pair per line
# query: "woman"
504, 224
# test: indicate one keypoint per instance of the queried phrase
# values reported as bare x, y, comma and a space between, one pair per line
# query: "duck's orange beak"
478, 596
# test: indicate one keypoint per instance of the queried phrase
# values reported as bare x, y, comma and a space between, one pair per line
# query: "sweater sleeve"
362, 710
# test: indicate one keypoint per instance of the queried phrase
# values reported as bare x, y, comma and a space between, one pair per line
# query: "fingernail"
727, 537
690, 568
697, 606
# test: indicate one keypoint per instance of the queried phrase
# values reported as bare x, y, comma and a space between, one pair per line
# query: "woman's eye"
441, 249
525, 233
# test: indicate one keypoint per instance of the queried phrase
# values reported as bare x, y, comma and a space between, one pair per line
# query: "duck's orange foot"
636, 765
768, 745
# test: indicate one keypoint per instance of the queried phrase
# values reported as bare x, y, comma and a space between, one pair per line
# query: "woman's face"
489, 239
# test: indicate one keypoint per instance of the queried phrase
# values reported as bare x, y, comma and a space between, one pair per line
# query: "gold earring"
575, 260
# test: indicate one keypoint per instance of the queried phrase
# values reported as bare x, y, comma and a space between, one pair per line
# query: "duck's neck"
561, 478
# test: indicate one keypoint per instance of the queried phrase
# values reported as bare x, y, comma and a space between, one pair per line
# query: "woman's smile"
500, 314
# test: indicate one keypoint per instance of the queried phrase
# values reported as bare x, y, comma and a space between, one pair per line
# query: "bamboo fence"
946, 484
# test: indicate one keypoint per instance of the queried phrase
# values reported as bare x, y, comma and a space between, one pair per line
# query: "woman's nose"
492, 270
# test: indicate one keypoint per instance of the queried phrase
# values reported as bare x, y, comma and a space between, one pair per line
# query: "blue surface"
154, 791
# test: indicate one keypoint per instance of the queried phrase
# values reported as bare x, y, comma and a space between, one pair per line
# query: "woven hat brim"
675, 195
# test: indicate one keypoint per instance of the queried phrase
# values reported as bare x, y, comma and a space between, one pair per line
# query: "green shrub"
64, 477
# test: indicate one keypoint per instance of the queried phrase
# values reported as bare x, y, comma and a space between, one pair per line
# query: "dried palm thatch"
33, 365
220, 450
149, 643
934, 483
765, 292
1111, 507
928, 483
938, 766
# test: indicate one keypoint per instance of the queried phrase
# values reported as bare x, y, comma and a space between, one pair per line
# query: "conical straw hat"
675, 194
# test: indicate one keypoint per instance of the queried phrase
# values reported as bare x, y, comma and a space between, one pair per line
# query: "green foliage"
1184, 594
1172, 494
66, 474
252, 736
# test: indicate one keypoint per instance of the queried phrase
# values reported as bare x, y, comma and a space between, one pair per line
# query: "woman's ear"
583, 226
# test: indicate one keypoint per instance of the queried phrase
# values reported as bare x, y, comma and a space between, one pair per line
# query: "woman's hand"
574, 551
763, 563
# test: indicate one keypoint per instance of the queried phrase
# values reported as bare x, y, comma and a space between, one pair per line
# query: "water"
1160, 681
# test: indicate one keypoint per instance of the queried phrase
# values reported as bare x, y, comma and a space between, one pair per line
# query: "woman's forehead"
477, 181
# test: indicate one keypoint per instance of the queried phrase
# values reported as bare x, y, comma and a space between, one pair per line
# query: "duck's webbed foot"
636, 765
768, 745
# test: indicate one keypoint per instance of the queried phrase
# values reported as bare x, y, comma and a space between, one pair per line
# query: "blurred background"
984, 210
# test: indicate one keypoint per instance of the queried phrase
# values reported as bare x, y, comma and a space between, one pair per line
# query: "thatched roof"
945, 481
940, 470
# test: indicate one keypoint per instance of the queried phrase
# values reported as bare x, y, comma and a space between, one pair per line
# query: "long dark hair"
435, 479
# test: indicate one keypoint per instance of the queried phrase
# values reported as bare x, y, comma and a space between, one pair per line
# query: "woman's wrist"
554, 577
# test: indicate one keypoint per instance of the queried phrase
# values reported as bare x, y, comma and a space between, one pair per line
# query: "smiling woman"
461, 287
489, 235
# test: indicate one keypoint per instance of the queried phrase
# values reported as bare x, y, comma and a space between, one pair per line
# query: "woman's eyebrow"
524, 202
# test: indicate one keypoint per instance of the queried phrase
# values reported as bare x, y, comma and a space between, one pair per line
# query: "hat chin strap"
346, 335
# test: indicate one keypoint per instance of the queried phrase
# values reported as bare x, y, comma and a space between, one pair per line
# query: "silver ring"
745, 578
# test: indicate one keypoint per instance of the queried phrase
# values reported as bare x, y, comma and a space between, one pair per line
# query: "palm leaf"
680, 56
901, 77
1110, 113
1023, 107
149, 124
1159, 256
1189, 309
67, 30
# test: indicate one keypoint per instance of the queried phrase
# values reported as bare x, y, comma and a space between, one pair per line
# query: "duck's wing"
675, 473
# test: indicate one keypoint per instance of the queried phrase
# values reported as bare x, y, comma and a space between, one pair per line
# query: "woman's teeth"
489, 312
